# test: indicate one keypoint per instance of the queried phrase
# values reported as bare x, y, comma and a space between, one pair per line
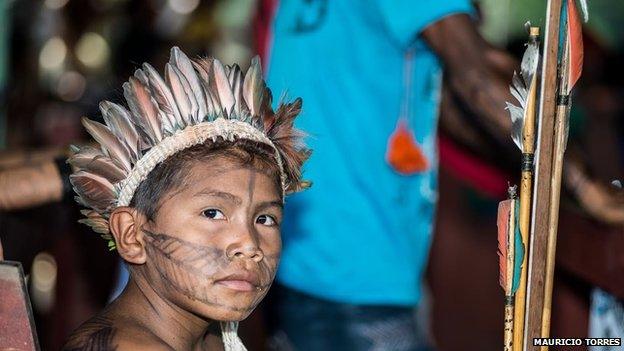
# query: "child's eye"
213, 213
266, 220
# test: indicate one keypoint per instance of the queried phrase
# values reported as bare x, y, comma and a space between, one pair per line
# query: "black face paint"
191, 269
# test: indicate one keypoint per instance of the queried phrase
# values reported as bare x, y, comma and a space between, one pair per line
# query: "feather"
510, 246
235, 78
94, 161
182, 99
184, 65
203, 66
575, 45
118, 120
94, 220
95, 191
204, 69
218, 108
289, 143
522, 85
194, 113
257, 122
504, 251
530, 60
211, 106
517, 124
266, 109
168, 110
111, 146
144, 110
584, 10
254, 87
141, 76
219, 82
518, 249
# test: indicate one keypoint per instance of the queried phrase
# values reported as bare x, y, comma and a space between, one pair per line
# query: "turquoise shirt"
362, 233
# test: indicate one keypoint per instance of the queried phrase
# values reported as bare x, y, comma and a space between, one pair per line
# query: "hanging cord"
408, 66
403, 152
231, 341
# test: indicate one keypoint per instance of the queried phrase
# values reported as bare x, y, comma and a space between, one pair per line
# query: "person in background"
356, 244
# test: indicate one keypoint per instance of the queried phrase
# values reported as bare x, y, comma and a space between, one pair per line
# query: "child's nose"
245, 245
249, 252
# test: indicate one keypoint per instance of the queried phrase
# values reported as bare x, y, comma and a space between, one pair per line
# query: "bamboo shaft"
542, 177
561, 131
555, 192
520, 299
526, 185
509, 322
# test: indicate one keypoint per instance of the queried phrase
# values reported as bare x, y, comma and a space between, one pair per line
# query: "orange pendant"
404, 154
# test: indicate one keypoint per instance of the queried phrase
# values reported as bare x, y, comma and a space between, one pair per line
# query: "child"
188, 187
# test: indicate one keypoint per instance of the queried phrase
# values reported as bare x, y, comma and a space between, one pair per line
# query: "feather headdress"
197, 102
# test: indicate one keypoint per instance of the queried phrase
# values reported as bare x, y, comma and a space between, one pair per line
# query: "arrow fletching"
520, 88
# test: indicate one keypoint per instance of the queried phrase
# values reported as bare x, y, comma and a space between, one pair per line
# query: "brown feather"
141, 76
185, 67
118, 120
111, 146
213, 106
220, 84
94, 161
164, 99
235, 78
289, 143
144, 110
95, 191
182, 99
203, 66
254, 87
94, 220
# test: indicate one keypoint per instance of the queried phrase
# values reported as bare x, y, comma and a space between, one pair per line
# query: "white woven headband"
191, 136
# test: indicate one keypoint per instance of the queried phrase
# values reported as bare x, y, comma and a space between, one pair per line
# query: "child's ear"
125, 224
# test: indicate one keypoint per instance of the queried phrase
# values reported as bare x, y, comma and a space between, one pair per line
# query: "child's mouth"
241, 281
238, 285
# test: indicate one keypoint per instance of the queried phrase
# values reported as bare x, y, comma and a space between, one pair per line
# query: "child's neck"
179, 329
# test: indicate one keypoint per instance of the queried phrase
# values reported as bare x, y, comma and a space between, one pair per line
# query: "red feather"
504, 212
575, 40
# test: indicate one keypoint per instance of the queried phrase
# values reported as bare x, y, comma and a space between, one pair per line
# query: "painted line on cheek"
168, 266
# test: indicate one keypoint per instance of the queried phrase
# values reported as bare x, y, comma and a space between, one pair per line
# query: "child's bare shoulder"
103, 333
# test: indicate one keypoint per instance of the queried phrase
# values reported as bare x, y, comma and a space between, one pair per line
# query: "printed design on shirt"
310, 16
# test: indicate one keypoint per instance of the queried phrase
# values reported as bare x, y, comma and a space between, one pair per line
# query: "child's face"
214, 244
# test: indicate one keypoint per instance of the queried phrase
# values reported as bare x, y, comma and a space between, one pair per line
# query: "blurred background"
59, 58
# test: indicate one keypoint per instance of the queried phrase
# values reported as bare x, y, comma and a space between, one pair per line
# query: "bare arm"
30, 186
471, 74
475, 75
